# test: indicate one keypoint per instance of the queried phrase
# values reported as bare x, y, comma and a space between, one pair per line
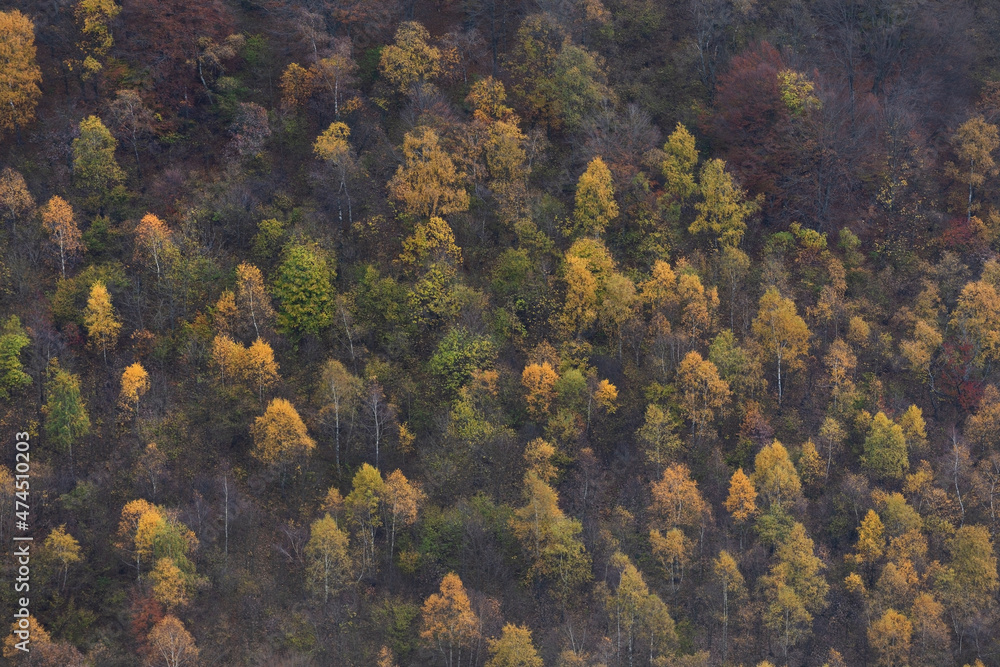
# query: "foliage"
19, 73
459, 354
885, 452
428, 183
66, 419
94, 166
303, 289
280, 435
13, 339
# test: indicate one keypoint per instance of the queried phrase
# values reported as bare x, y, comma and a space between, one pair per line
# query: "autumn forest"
499, 333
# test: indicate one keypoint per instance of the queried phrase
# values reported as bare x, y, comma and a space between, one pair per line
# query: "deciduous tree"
171, 644
724, 208
170, 584
280, 435
13, 339
94, 18
410, 60
775, 477
678, 167
401, 502
333, 148
297, 85
340, 391
135, 383
676, 500
514, 648
258, 366
658, 437
795, 589
976, 319
129, 119
727, 574
19, 73
551, 539
16, 201
969, 582
428, 183
431, 244
152, 241
780, 331
362, 505
741, 503
975, 142
539, 381
448, 622
337, 71
61, 548
251, 130
871, 539
889, 637
328, 563
595, 206
702, 390
885, 452
100, 319
252, 297
637, 615
95, 169
60, 223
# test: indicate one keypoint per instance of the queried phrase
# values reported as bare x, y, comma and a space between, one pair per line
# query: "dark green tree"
303, 289
12, 340
66, 419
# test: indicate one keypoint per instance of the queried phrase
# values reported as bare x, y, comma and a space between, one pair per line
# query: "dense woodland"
502, 333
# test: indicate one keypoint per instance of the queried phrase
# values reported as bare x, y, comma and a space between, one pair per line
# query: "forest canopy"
501, 333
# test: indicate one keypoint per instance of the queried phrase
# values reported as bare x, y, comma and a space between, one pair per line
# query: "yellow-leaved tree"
100, 319
410, 60
975, 142
448, 623
640, 618
427, 183
658, 437
59, 221
280, 437
780, 332
260, 367
775, 477
328, 563
333, 148
171, 644
514, 648
152, 241
724, 207
297, 84
539, 382
741, 503
135, 383
252, 298
94, 18
702, 390
679, 160
595, 207
677, 504
794, 589
62, 550
19, 73
400, 501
